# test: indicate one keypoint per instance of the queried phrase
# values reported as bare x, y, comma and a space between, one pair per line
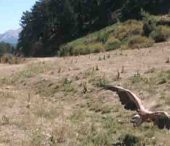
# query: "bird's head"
136, 120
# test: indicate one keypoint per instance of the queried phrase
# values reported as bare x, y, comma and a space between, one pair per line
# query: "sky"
11, 12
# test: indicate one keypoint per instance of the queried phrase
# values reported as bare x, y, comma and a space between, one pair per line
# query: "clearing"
59, 101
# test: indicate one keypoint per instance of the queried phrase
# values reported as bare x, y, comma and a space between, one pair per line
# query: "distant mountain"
10, 36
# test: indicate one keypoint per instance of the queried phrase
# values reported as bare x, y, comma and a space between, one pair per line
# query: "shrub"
149, 23
95, 48
11, 59
140, 42
160, 34
102, 37
127, 29
5, 48
130, 140
65, 50
81, 49
112, 44
87, 49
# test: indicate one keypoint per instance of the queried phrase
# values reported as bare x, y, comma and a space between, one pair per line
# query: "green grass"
107, 39
92, 43
126, 35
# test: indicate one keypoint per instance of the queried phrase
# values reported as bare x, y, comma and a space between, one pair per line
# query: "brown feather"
128, 104
162, 120
127, 98
132, 102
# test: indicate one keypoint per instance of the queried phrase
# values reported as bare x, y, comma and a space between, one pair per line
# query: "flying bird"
130, 101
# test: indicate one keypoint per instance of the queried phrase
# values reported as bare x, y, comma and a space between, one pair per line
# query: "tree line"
50, 23
6, 48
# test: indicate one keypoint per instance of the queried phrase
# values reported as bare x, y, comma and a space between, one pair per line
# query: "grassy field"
129, 34
59, 101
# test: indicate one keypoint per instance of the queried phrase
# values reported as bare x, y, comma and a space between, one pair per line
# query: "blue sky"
11, 12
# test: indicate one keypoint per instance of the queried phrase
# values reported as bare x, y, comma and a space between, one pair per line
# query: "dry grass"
160, 34
140, 42
59, 101
11, 59
128, 29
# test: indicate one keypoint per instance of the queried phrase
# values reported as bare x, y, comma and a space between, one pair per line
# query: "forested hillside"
51, 23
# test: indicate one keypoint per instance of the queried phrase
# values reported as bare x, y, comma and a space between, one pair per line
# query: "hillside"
59, 101
130, 34
50, 24
10, 36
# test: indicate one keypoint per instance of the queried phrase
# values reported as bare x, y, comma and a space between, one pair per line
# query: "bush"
81, 49
102, 37
129, 28
130, 140
112, 44
140, 42
149, 23
87, 49
96, 48
5, 48
160, 34
11, 59
64, 50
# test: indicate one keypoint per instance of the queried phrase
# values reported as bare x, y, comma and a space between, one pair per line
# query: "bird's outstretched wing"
132, 102
161, 119
127, 98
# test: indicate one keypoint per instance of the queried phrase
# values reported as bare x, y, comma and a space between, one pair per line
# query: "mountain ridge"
10, 36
